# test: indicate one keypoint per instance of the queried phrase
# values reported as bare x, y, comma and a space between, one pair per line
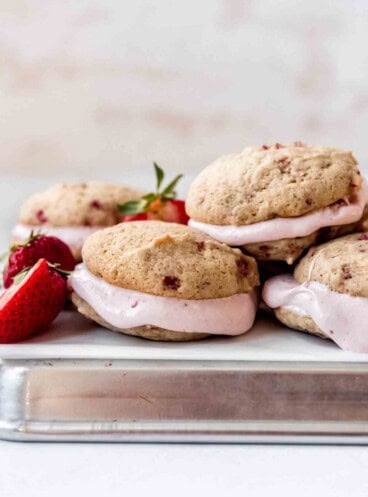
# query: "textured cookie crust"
296, 322
290, 249
79, 204
149, 332
279, 181
340, 264
169, 260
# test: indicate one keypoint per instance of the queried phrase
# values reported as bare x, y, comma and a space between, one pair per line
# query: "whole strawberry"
38, 246
32, 302
159, 205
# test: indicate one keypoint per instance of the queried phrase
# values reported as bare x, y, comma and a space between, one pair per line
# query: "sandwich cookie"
71, 212
165, 281
328, 294
276, 201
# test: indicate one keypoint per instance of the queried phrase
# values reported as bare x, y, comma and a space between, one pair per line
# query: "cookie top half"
169, 260
341, 265
262, 183
93, 203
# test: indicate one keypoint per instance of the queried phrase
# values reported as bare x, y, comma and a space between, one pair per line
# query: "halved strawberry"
32, 302
26, 254
159, 205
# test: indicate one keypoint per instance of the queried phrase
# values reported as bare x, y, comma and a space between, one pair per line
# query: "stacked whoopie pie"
274, 202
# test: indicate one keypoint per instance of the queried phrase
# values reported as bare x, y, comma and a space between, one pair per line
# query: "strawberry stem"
143, 205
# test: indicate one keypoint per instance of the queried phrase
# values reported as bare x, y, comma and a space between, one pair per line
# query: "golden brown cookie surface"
79, 204
169, 260
341, 265
279, 181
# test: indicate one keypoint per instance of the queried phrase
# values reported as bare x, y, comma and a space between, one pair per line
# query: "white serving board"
73, 337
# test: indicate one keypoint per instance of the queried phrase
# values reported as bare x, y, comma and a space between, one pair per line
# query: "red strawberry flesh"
142, 216
30, 306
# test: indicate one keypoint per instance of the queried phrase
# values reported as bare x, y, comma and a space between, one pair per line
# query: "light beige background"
96, 87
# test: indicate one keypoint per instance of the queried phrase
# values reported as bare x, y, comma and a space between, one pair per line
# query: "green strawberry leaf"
133, 207
143, 205
159, 176
149, 197
169, 192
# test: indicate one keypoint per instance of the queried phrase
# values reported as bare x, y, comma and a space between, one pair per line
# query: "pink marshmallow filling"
341, 317
344, 212
125, 308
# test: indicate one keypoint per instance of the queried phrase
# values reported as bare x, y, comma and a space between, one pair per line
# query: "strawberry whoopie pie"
328, 293
276, 201
165, 281
71, 212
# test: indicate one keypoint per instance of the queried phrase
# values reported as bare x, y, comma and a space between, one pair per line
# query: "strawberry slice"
26, 254
160, 205
32, 302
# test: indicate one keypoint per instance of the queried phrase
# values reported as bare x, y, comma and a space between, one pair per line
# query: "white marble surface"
59, 470
106, 84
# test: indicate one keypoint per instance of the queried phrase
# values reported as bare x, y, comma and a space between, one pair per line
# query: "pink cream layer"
345, 212
125, 308
340, 316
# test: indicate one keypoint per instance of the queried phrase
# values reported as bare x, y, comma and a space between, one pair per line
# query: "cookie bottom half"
298, 322
290, 249
148, 332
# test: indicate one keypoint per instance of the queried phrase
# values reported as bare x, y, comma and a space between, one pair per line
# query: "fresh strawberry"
160, 205
26, 254
174, 212
143, 216
32, 302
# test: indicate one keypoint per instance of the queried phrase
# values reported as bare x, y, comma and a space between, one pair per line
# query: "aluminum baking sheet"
79, 382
